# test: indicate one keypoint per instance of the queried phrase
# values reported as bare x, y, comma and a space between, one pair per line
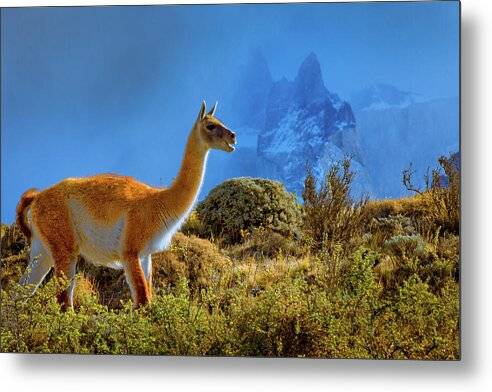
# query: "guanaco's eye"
211, 127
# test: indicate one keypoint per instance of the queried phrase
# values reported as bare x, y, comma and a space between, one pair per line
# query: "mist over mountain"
382, 96
250, 96
284, 126
398, 129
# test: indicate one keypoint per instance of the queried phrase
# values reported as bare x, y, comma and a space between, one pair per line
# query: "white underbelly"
102, 244
99, 244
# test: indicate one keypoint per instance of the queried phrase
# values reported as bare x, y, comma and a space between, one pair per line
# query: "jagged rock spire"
309, 83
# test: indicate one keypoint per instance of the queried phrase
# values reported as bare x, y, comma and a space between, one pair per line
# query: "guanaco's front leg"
136, 280
147, 269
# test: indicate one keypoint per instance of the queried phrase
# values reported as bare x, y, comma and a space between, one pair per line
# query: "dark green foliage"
240, 205
298, 313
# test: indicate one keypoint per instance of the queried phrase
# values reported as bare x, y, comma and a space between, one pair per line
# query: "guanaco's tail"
25, 201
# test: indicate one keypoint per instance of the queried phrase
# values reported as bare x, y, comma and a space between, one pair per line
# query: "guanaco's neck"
186, 186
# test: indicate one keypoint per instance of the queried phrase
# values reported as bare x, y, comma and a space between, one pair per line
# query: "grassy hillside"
359, 279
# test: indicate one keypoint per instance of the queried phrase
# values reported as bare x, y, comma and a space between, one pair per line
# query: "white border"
19, 3
84, 373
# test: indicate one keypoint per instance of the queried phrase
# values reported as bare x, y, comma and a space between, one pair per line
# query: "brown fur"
25, 201
108, 197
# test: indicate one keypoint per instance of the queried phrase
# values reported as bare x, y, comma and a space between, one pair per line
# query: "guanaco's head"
212, 132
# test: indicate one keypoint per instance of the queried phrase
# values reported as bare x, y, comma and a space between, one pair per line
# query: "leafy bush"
404, 256
331, 217
380, 230
406, 245
392, 225
419, 324
193, 225
263, 243
243, 204
196, 259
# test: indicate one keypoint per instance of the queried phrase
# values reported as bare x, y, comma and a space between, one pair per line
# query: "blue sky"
110, 89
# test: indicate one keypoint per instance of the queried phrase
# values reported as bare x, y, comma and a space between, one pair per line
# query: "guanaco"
115, 221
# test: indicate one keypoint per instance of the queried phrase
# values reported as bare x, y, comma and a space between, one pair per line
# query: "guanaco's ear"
212, 111
201, 114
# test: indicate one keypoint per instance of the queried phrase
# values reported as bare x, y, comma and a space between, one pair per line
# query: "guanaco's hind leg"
72, 269
147, 270
65, 268
40, 264
57, 234
136, 280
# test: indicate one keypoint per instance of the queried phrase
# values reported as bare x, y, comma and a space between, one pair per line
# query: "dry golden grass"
407, 206
85, 290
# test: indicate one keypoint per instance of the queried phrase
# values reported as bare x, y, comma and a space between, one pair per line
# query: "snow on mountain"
306, 125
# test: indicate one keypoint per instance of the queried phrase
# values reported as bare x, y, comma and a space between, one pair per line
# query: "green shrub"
420, 324
331, 217
263, 243
196, 259
404, 256
242, 204
193, 225
380, 230
406, 246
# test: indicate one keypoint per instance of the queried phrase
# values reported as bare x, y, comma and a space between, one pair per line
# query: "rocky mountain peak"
309, 85
306, 125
